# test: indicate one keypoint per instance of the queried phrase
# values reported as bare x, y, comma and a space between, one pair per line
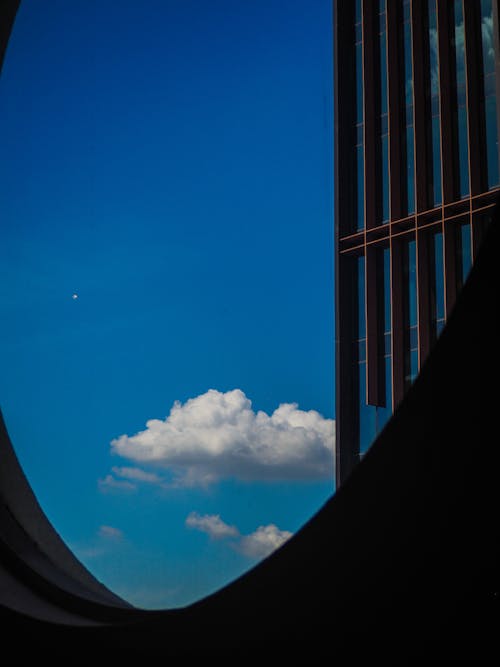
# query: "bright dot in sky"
74, 296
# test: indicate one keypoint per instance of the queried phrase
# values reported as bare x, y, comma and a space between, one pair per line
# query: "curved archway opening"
167, 371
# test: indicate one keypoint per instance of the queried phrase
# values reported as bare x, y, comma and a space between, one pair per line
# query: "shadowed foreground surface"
400, 566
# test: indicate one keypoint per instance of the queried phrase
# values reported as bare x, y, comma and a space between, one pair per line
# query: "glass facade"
461, 120
384, 409
383, 119
410, 312
408, 138
490, 94
413, 259
434, 165
359, 120
463, 253
436, 284
366, 413
372, 418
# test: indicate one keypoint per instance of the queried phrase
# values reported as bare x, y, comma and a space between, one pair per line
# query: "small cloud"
218, 435
110, 484
258, 544
211, 524
104, 542
263, 541
137, 474
110, 533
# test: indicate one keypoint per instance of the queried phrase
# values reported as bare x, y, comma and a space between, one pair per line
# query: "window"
463, 253
436, 284
408, 96
163, 173
384, 411
367, 413
383, 116
433, 92
461, 100
490, 93
410, 309
359, 149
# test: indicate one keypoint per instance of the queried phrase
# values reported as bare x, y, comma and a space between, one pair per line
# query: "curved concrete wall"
400, 566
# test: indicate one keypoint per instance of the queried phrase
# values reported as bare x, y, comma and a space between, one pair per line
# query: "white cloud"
488, 41
128, 478
110, 484
263, 541
110, 533
105, 541
137, 475
211, 524
258, 544
217, 435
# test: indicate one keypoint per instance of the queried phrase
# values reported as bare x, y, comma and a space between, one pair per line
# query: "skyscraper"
416, 179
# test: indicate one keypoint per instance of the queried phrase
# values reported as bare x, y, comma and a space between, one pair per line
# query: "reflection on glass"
461, 100
384, 138
359, 151
384, 411
361, 299
464, 253
480, 227
487, 33
367, 413
436, 284
408, 70
360, 190
435, 195
410, 312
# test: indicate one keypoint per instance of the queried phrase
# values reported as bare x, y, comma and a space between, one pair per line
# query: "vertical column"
344, 126
348, 119
496, 44
347, 424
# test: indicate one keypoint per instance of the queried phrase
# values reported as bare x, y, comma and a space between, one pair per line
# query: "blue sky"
169, 163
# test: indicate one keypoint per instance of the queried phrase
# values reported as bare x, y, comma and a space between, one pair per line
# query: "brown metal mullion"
447, 103
420, 103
